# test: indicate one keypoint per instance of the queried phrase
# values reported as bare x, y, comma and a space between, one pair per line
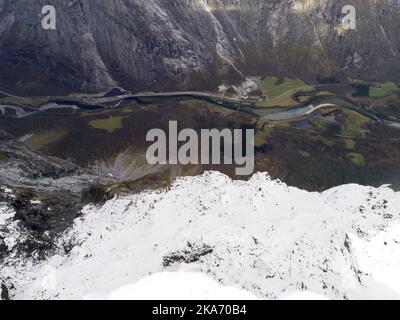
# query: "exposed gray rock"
22, 167
186, 44
47, 192
191, 254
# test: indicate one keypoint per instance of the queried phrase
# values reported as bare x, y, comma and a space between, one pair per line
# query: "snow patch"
259, 235
5, 214
305, 295
176, 286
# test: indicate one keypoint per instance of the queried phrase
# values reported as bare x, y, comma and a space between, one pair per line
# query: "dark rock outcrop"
46, 191
193, 253
4, 295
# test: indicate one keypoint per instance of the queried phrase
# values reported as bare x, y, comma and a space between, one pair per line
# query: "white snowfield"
179, 285
260, 238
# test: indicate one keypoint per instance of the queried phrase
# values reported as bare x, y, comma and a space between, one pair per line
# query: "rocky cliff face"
192, 44
47, 192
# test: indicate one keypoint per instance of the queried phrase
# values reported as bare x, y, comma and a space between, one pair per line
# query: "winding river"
267, 114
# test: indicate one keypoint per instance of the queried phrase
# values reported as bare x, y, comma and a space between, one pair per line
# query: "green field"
383, 90
282, 94
29, 101
43, 138
350, 143
354, 124
111, 124
357, 158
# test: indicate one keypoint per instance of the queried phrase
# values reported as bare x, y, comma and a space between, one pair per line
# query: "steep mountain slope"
192, 44
45, 193
260, 235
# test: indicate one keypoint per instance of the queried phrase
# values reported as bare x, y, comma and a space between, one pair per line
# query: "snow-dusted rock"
261, 236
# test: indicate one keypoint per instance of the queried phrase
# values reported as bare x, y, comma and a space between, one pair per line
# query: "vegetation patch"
39, 140
29, 101
330, 142
350, 143
282, 94
3, 155
263, 135
111, 124
357, 158
383, 90
128, 109
96, 112
355, 124
321, 124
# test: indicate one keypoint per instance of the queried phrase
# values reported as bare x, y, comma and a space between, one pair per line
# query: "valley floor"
260, 236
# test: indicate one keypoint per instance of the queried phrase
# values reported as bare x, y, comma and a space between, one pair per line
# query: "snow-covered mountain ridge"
262, 236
